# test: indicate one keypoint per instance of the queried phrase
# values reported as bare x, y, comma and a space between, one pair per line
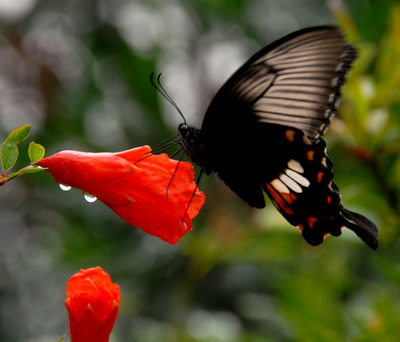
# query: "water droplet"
89, 197
65, 187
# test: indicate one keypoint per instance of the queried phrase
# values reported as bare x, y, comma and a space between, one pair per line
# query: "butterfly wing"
293, 82
304, 192
264, 126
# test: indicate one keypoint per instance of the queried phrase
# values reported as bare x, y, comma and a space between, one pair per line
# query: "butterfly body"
262, 133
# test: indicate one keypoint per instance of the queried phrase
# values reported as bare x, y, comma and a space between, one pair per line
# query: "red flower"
92, 304
134, 184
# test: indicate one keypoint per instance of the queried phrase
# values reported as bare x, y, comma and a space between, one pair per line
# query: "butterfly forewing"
293, 82
309, 73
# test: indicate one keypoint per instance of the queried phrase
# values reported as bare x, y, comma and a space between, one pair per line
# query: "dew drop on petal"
89, 197
65, 187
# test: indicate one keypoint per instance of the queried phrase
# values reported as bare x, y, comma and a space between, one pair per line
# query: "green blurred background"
78, 71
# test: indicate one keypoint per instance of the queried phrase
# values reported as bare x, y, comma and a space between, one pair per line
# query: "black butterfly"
262, 132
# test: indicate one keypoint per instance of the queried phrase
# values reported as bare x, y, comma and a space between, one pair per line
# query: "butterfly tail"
365, 229
315, 230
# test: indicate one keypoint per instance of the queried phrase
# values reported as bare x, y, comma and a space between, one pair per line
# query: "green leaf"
35, 152
9, 148
19, 134
9, 155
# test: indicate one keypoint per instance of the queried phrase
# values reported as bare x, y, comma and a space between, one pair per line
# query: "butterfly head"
183, 130
193, 146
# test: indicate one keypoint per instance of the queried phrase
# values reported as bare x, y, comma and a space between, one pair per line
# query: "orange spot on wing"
289, 134
311, 220
282, 199
289, 198
310, 155
329, 199
319, 176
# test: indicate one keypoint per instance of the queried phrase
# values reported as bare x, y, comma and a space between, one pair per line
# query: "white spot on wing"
295, 166
298, 178
290, 183
279, 186
323, 162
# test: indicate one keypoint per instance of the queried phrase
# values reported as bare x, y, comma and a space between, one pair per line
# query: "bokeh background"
78, 71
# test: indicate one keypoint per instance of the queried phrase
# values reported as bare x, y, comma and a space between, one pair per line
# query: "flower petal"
152, 192
92, 304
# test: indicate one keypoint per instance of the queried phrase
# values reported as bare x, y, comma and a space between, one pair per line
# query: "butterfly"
262, 133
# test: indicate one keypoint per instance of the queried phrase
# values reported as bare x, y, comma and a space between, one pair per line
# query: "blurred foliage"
78, 71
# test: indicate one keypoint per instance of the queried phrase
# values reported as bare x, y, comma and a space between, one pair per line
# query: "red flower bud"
148, 191
92, 304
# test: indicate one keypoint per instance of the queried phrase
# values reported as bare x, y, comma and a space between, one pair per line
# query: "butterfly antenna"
156, 83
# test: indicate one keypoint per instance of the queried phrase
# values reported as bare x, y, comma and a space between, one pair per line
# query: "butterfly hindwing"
305, 194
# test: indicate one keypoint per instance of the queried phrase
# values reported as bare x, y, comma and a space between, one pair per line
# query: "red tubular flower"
92, 304
134, 184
